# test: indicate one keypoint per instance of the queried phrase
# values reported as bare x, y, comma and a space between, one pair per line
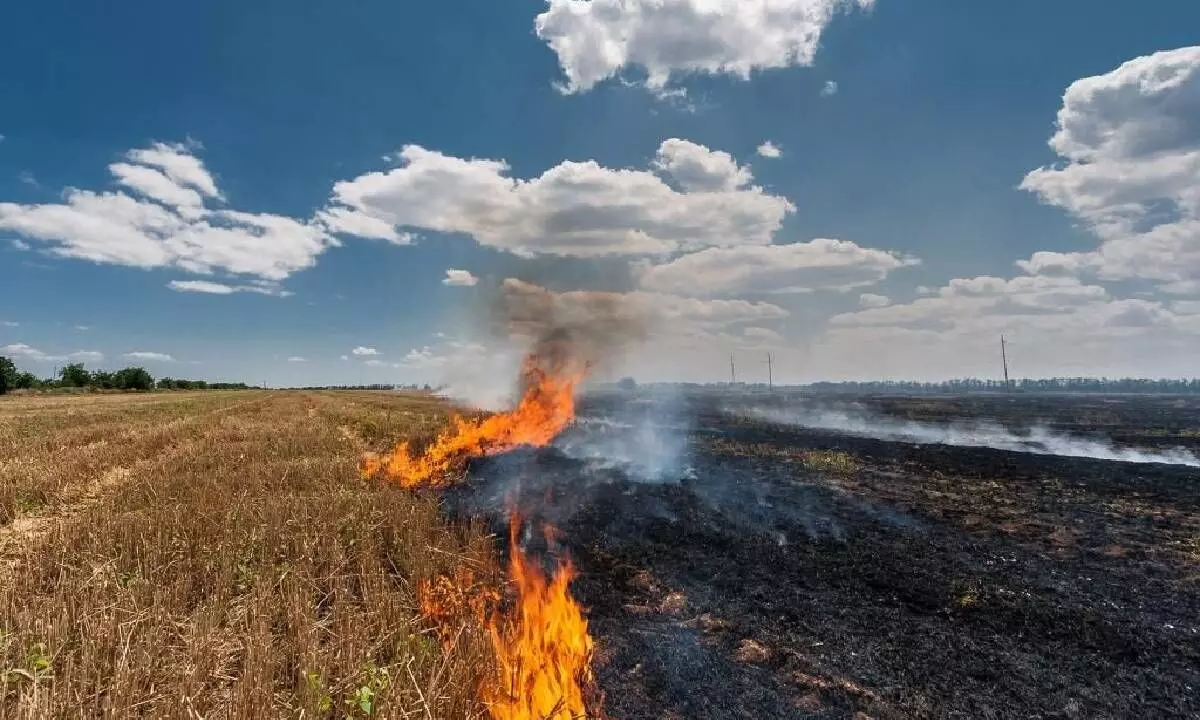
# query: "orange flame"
543, 652
546, 407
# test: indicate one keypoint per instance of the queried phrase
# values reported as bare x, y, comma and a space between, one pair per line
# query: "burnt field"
735, 564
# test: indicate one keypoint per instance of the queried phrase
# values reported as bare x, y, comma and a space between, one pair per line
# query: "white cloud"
361, 224
179, 164
155, 185
150, 356
770, 150
296, 359
698, 169
345, 357
985, 300
22, 350
1130, 144
166, 222
1054, 325
762, 335
216, 288
596, 39
575, 208
451, 352
361, 351
829, 89
83, 328
10, 323
821, 264
27, 178
871, 300
375, 363
460, 278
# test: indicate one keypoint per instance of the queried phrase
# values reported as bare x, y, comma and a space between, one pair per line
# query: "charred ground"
775, 571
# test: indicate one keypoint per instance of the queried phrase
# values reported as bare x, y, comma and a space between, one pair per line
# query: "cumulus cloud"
361, 351
579, 209
871, 300
829, 89
296, 359
150, 356
459, 278
696, 168
596, 39
361, 224
821, 264
1130, 147
770, 150
164, 218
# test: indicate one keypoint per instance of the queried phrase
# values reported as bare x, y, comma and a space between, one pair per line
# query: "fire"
542, 647
547, 405
543, 651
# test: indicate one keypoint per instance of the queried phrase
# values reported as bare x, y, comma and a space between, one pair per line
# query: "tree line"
76, 375
1042, 385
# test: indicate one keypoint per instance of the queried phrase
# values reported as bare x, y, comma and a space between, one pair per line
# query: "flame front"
543, 651
547, 405
542, 648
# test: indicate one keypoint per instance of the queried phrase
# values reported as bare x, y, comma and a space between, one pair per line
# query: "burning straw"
542, 647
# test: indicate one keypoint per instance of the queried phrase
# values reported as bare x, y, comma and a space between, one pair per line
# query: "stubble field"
214, 555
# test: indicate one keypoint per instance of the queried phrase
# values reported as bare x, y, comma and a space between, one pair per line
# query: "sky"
328, 193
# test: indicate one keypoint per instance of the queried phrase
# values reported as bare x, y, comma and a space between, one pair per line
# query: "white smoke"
1037, 440
646, 440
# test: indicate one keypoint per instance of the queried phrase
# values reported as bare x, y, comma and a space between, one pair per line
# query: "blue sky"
883, 241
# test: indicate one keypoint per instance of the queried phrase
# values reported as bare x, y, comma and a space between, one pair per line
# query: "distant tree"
8, 374
103, 379
165, 384
74, 375
627, 384
26, 381
133, 378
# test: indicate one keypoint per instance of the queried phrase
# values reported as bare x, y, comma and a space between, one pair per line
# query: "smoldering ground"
1035, 438
913, 580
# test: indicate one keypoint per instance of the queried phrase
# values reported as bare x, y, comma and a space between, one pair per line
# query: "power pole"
732, 372
1004, 359
770, 373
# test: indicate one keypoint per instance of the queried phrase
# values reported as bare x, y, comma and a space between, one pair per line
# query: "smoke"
575, 332
645, 438
571, 329
1037, 440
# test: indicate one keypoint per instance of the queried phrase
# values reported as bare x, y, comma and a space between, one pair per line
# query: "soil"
739, 568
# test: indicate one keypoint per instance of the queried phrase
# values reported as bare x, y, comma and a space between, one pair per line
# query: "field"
216, 555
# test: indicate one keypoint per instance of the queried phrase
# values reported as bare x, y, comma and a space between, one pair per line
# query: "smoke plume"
1037, 440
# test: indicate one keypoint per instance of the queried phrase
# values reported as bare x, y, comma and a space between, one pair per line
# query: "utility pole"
732, 372
770, 373
1004, 359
